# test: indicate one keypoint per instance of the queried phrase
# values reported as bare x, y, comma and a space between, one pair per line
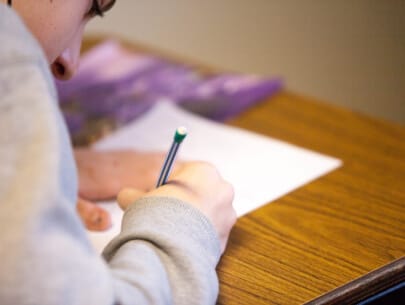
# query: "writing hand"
200, 185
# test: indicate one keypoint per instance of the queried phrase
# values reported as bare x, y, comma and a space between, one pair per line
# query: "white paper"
261, 169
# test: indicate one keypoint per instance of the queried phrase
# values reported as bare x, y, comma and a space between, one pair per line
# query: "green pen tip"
180, 134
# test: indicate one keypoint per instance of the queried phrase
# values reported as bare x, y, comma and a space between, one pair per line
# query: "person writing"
172, 237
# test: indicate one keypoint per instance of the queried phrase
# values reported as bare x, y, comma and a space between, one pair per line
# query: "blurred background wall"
350, 53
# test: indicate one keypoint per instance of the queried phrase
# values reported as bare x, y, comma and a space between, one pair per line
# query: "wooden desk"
330, 231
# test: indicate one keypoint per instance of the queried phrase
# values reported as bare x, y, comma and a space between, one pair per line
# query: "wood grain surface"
368, 286
332, 230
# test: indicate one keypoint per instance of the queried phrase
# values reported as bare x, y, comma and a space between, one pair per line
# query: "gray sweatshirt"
166, 252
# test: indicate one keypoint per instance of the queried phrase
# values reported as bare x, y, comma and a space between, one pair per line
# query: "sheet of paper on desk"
260, 168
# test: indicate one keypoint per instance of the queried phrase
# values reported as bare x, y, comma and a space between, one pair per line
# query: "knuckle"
230, 190
234, 216
206, 167
231, 220
198, 163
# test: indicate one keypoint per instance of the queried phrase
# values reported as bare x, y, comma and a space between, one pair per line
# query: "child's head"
58, 25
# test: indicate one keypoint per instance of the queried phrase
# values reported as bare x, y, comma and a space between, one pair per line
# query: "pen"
179, 136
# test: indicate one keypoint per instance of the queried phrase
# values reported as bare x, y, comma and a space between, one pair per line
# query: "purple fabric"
115, 84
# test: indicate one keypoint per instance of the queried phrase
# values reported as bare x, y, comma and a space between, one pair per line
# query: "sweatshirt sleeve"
174, 244
166, 252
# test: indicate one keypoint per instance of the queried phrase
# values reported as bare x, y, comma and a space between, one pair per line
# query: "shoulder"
17, 42
32, 132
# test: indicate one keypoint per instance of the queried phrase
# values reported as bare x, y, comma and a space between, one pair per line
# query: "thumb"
127, 196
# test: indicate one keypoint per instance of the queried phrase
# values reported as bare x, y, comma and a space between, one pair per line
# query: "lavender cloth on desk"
114, 86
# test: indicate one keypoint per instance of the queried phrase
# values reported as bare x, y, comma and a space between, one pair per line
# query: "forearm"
176, 251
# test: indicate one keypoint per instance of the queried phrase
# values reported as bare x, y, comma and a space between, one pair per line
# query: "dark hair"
9, 2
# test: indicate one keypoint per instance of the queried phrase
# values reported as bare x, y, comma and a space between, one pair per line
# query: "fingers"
216, 197
201, 185
93, 216
102, 174
127, 196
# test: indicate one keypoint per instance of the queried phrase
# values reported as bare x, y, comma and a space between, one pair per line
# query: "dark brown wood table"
330, 231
